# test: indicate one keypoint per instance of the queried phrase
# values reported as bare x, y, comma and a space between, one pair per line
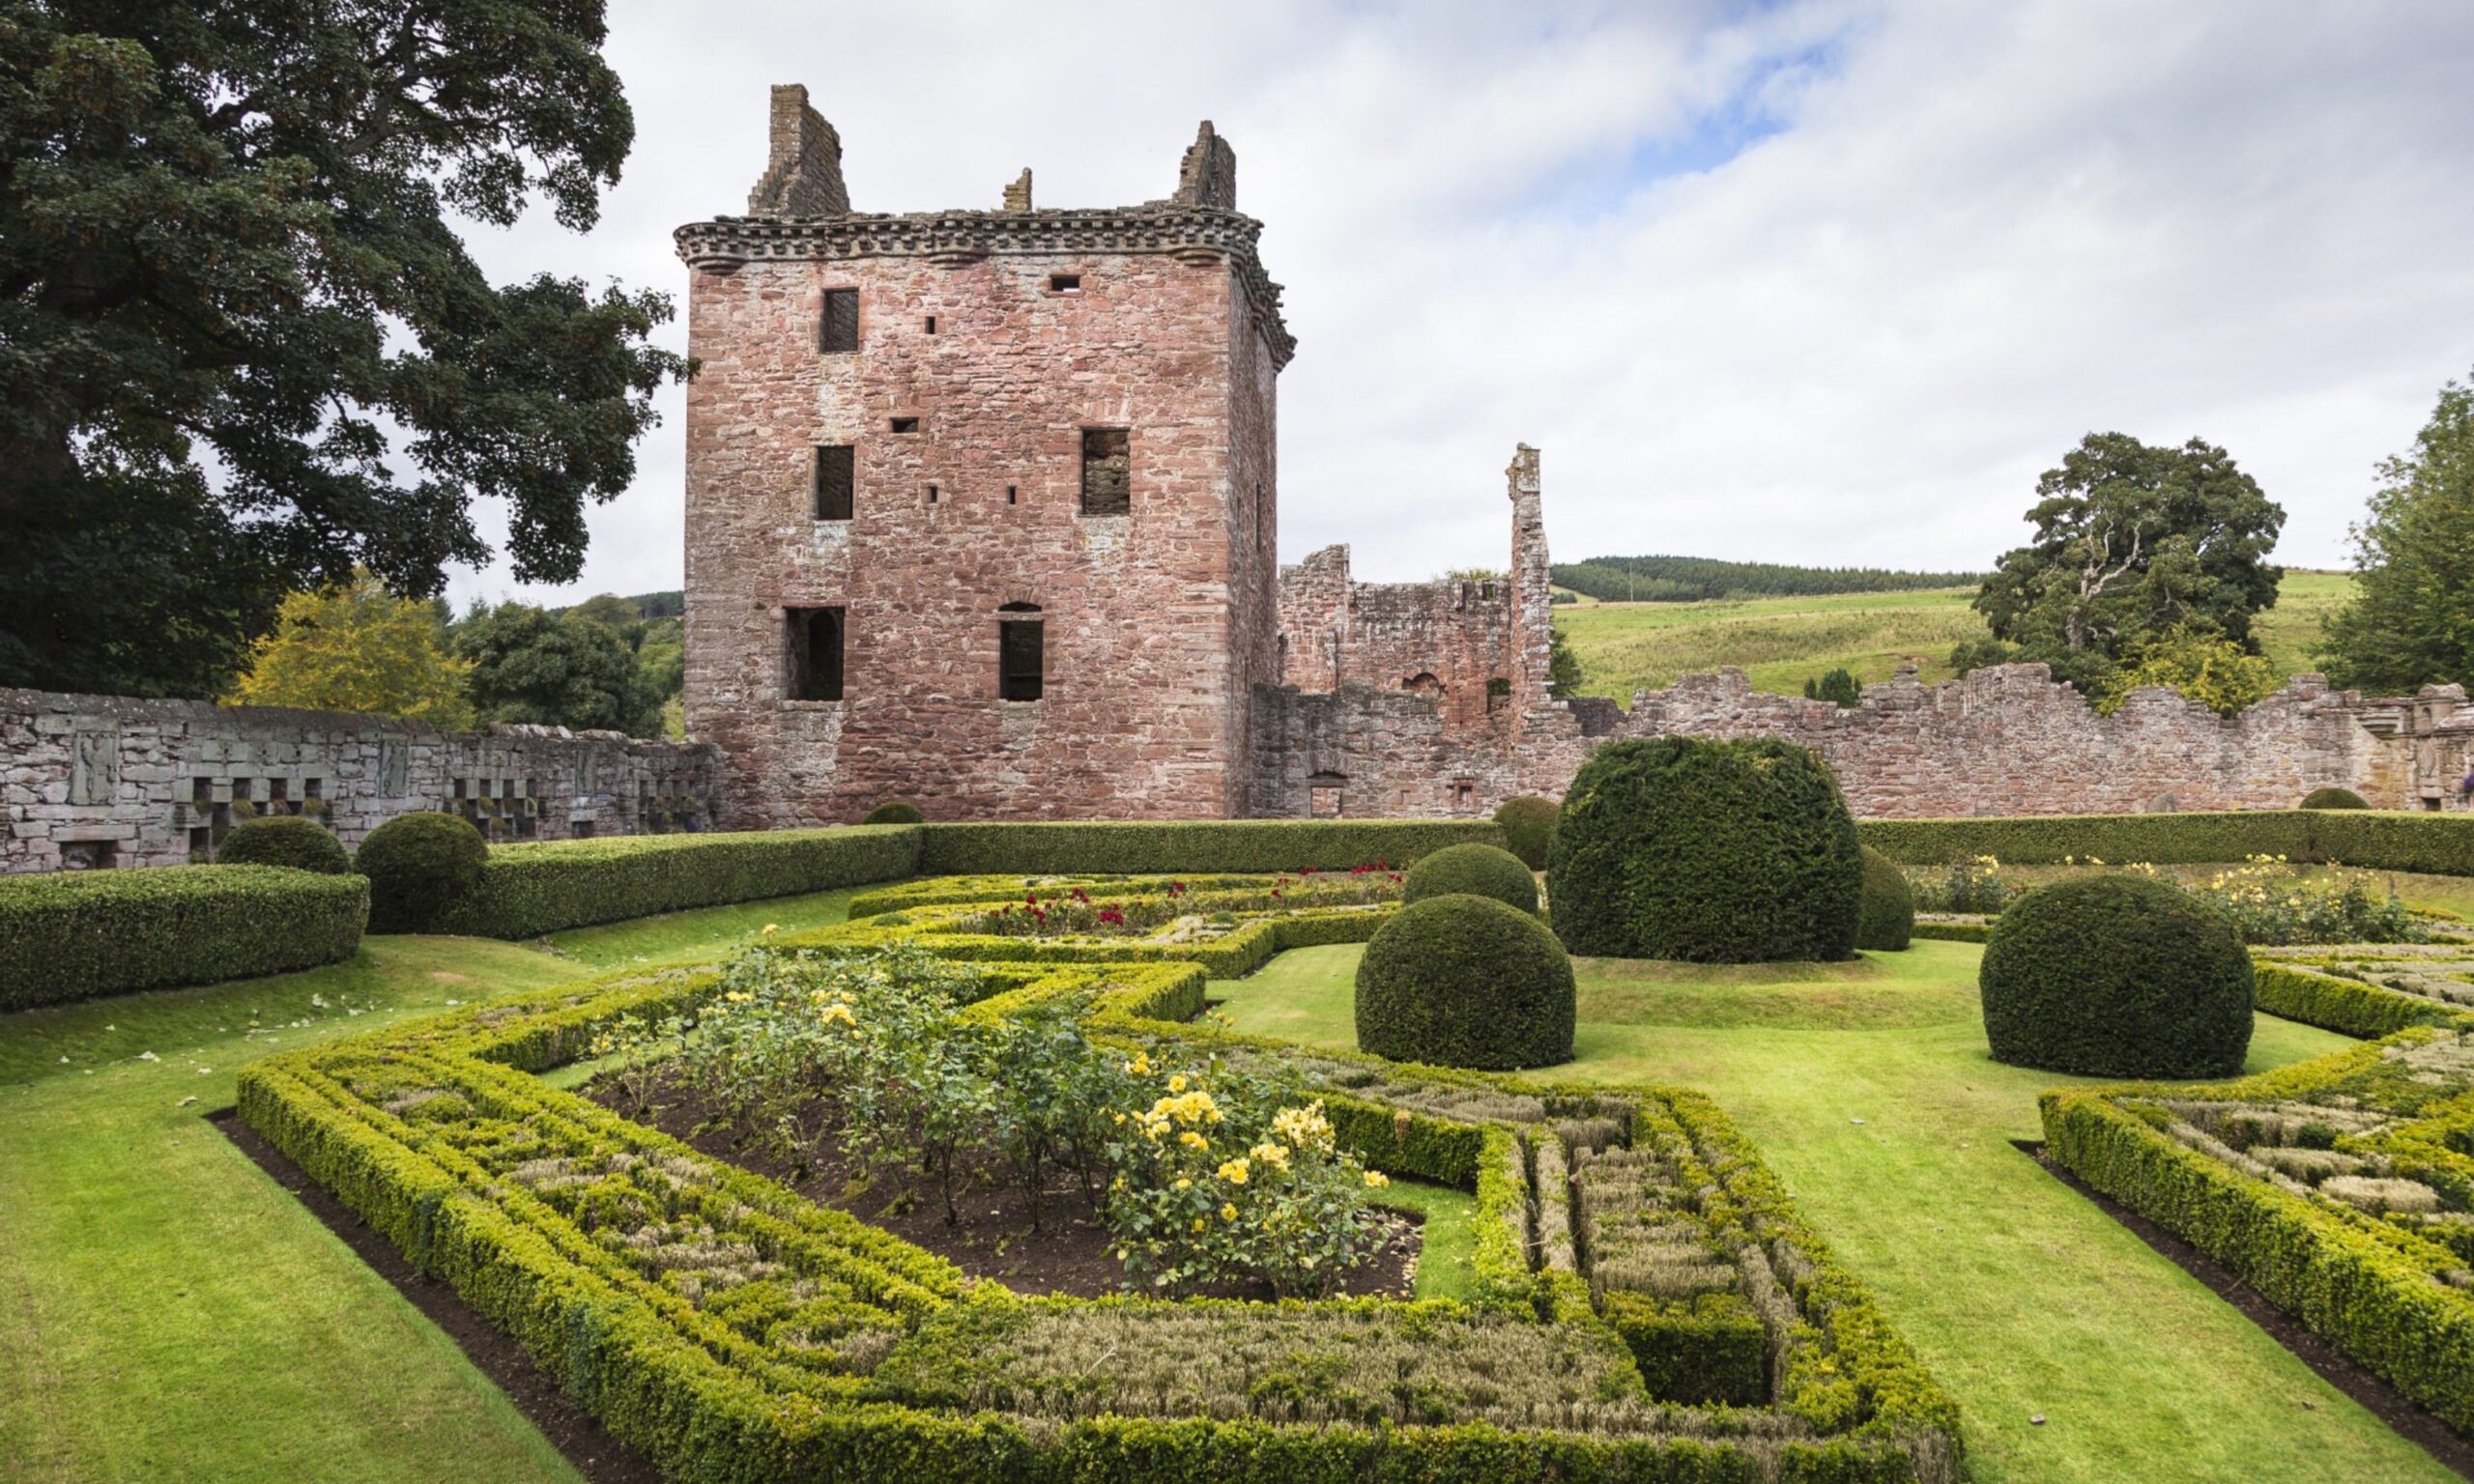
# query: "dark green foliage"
2346, 1006
1563, 674
1219, 844
1474, 870
72, 935
1839, 687
1706, 850
1886, 918
1465, 982
2333, 798
2132, 541
420, 866
894, 812
1529, 828
572, 671
1693, 579
2116, 976
284, 839
246, 349
2375, 839
525, 891
2411, 622
1707, 1349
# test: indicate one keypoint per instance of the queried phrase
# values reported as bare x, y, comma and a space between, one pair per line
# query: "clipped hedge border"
2378, 839
1258, 845
73, 935
2344, 1280
2345, 1006
708, 1402
528, 890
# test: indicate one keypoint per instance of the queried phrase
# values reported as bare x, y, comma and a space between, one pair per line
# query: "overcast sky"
1823, 282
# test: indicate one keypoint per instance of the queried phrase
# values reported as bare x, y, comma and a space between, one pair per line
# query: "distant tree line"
1697, 579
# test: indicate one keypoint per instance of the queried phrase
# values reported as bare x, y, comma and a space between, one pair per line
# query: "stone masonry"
918, 440
94, 781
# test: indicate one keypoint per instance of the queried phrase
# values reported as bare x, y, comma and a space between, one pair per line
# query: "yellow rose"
1228, 1212
1377, 1180
1236, 1171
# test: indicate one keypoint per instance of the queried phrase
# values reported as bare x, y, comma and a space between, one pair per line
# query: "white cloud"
1962, 235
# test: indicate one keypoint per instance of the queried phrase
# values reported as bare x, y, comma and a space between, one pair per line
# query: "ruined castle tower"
980, 503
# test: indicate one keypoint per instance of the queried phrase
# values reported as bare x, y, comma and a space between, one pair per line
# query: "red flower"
1112, 916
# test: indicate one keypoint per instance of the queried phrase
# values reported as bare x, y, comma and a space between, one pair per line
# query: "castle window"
932, 324
1011, 498
905, 424
1498, 694
833, 480
1065, 283
1108, 466
1323, 796
839, 329
931, 494
1021, 653
814, 637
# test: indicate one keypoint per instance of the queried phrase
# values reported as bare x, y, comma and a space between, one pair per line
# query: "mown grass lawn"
1869, 1092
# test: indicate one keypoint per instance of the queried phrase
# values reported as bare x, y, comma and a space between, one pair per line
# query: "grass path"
167, 1312
1869, 1092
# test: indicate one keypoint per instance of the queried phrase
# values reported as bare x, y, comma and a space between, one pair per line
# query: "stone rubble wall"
95, 781
1442, 639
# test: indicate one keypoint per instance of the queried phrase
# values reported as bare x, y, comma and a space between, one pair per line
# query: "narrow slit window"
1108, 466
1011, 496
932, 324
1021, 658
839, 330
931, 494
815, 637
1065, 283
833, 481
905, 424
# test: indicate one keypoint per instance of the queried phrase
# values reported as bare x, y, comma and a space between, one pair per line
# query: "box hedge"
1473, 870
1199, 845
1886, 919
70, 936
2117, 976
2377, 840
296, 841
1465, 981
525, 891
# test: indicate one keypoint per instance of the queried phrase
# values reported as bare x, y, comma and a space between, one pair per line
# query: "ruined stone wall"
2007, 740
1442, 639
92, 781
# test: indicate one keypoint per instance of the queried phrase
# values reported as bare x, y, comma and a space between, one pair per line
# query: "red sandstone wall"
1158, 626
1386, 635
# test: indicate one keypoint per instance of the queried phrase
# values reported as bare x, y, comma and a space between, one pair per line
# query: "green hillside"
1781, 642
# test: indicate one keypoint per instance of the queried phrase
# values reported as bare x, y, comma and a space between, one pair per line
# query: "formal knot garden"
1666, 1131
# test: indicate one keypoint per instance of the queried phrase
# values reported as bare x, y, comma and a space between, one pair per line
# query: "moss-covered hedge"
2378, 839
291, 841
2116, 976
1201, 845
1529, 828
525, 891
1886, 918
1473, 870
1708, 850
72, 935
1465, 981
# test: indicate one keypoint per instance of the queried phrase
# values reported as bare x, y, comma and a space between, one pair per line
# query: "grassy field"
1780, 643
1868, 1089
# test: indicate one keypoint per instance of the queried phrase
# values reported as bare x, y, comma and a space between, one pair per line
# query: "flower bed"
732, 1330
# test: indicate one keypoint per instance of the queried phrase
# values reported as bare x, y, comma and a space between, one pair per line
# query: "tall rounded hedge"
894, 812
1465, 982
2334, 798
1529, 828
1707, 850
419, 866
1474, 871
2116, 976
284, 839
1885, 913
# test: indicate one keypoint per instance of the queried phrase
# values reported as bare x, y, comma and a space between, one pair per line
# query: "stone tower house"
980, 503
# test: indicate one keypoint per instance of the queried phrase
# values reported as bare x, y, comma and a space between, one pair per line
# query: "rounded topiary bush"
2116, 976
1706, 850
1473, 870
419, 866
894, 812
2334, 798
1465, 982
284, 839
1529, 828
1886, 912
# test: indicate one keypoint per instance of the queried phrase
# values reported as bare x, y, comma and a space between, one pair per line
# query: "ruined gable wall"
145, 782
1385, 634
1144, 715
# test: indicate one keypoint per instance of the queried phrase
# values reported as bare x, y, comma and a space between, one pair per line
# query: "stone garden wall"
98, 781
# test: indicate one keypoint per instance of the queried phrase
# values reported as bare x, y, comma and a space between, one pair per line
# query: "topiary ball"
894, 812
1706, 850
1465, 982
2334, 798
1886, 912
284, 839
1529, 828
2116, 976
1473, 870
419, 866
